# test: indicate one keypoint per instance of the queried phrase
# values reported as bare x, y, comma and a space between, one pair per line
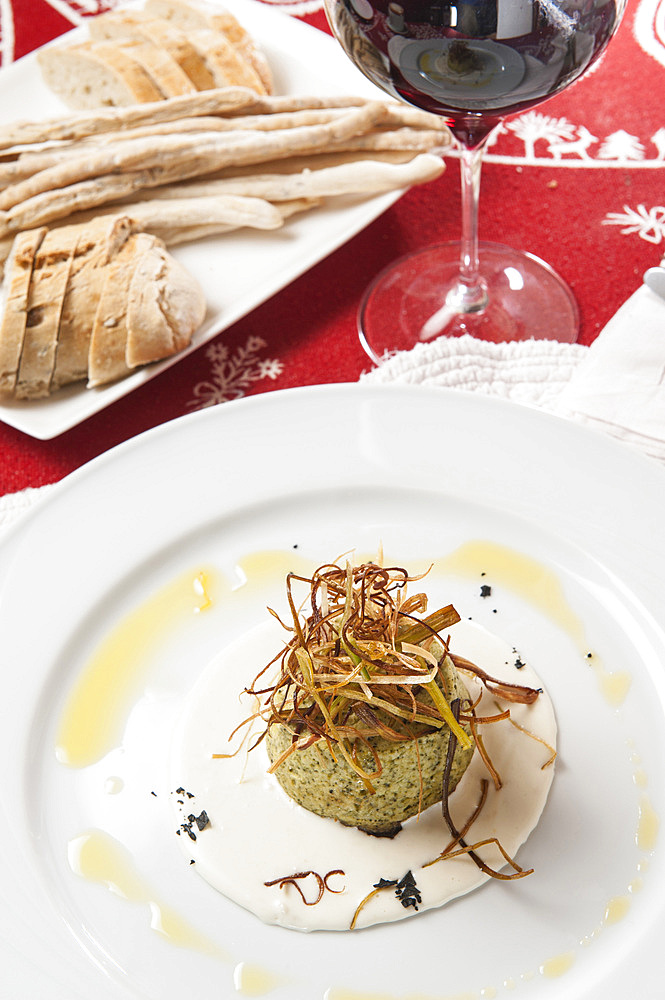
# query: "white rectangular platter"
238, 271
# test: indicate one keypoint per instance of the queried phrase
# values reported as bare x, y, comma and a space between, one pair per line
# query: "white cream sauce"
257, 834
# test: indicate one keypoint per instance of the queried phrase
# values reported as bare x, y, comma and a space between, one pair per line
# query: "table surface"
595, 210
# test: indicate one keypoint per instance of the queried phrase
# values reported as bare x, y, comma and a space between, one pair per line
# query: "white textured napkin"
532, 371
617, 385
14, 504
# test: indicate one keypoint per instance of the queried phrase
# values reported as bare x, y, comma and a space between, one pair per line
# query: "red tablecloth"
579, 182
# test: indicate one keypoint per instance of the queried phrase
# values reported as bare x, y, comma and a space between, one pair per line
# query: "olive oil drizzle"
540, 587
96, 711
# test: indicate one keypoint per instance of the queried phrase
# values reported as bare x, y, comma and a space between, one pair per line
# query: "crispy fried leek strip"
465, 848
361, 651
502, 689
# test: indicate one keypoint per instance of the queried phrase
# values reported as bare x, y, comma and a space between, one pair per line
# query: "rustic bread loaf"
91, 301
140, 56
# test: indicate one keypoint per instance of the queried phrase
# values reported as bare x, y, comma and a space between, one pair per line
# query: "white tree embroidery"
533, 126
233, 374
621, 145
649, 224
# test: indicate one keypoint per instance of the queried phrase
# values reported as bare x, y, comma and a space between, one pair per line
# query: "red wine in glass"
474, 62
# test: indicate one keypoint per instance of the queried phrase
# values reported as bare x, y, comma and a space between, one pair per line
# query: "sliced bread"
50, 275
108, 343
18, 274
97, 246
200, 14
228, 66
141, 27
162, 69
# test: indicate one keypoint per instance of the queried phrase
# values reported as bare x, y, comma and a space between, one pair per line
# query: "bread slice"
140, 26
162, 69
94, 75
153, 45
98, 245
50, 275
228, 66
166, 306
200, 14
18, 274
108, 343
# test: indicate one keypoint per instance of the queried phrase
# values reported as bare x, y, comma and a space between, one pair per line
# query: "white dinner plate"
304, 476
241, 270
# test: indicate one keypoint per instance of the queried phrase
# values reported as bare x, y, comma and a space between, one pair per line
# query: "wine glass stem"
471, 293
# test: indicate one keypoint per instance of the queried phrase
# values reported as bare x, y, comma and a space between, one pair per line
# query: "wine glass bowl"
473, 62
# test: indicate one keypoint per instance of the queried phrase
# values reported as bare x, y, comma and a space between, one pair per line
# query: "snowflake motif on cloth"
649, 224
233, 374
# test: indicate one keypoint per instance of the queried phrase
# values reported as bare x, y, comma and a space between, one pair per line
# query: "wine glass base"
412, 301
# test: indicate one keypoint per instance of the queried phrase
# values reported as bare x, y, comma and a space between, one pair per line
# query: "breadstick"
222, 101
231, 210
357, 177
186, 234
29, 163
192, 153
404, 138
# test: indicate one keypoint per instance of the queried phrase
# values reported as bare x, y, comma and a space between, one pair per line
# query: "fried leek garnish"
364, 660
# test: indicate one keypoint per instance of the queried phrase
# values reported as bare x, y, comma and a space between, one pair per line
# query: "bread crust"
165, 306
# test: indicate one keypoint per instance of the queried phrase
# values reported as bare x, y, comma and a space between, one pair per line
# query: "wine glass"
474, 62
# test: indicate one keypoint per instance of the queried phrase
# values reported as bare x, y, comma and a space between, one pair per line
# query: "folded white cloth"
617, 385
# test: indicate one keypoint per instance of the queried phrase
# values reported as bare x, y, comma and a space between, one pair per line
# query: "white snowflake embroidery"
232, 374
649, 224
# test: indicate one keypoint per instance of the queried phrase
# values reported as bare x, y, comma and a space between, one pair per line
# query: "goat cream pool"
245, 836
